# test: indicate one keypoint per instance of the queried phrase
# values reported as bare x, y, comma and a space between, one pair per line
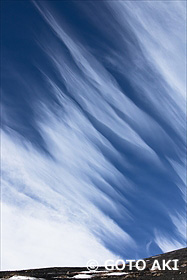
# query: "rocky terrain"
60, 273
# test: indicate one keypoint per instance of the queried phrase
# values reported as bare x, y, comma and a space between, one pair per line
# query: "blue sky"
93, 131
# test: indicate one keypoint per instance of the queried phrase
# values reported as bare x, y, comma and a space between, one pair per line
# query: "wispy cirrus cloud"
93, 137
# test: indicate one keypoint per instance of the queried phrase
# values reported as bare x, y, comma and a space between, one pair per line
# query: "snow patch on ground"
82, 276
116, 273
103, 273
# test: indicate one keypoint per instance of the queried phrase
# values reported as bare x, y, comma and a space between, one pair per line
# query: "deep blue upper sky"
93, 129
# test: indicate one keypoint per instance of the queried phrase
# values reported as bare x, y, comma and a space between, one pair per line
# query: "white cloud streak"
53, 213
